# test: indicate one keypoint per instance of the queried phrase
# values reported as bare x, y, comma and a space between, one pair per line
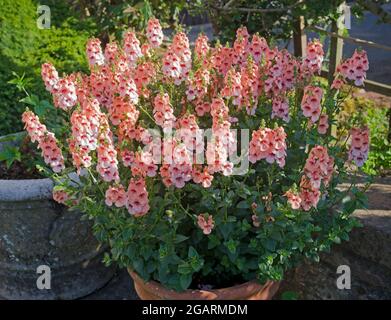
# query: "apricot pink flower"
312, 62
50, 77
132, 48
268, 144
60, 196
46, 141
205, 225
137, 197
201, 47
280, 108
355, 68
163, 111
311, 101
359, 145
116, 195
323, 124
293, 199
94, 52
317, 167
154, 33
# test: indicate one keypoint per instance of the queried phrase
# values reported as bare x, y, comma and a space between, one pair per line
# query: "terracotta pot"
251, 290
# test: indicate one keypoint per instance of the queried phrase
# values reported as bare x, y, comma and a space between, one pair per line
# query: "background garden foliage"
24, 47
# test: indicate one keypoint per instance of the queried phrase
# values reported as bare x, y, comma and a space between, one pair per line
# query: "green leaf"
180, 238
289, 295
243, 205
185, 280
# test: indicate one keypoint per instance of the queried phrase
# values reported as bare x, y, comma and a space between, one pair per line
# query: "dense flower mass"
138, 85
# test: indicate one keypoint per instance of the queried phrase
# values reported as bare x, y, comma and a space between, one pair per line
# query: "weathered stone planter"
34, 231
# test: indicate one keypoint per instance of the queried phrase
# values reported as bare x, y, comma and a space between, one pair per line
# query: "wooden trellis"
336, 50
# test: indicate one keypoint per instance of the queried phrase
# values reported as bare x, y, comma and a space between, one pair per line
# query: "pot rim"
239, 291
26, 189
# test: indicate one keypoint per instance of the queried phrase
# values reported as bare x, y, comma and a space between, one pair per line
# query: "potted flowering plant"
154, 135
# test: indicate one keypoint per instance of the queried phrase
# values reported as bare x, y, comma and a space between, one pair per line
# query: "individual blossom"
154, 33
293, 199
202, 108
127, 157
311, 103
255, 220
323, 124
94, 52
359, 146
116, 195
268, 144
337, 83
60, 196
137, 197
50, 77
202, 177
206, 223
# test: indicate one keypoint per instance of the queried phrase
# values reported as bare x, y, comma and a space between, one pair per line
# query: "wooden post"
299, 37
336, 51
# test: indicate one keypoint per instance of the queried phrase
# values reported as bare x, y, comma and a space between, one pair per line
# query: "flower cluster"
268, 144
359, 146
46, 141
354, 69
311, 103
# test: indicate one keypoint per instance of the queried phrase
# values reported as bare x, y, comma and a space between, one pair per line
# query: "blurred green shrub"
362, 111
112, 17
24, 47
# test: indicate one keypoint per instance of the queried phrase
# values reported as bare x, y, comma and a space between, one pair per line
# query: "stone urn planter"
251, 290
34, 231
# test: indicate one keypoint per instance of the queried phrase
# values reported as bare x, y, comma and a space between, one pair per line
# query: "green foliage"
271, 25
9, 155
24, 47
113, 17
361, 111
